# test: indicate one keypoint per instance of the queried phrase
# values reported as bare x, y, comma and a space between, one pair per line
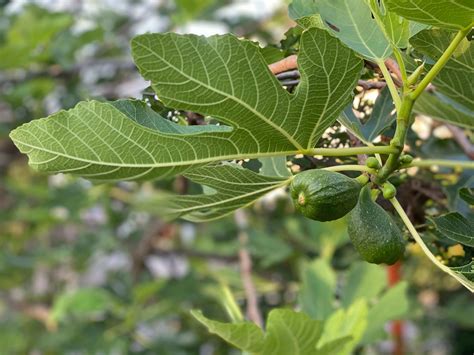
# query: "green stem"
398, 140
419, 240
390, 84
337, 152
441, 62
428, 163
361, 168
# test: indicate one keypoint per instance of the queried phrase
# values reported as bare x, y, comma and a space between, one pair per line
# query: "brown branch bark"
285, 64
290, 63
253, 311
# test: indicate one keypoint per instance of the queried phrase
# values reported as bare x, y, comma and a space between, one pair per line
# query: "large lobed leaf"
220, 76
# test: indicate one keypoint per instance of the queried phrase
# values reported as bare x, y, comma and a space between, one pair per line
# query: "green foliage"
347, 323
455, 227
316, 295
453, 81
86, 303
467, 194
287, 332
29, 40
451, 14
353, 24
365, 306
102, 268
280, 115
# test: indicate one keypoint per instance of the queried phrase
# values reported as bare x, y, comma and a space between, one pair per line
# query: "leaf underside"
220, 76
232, 187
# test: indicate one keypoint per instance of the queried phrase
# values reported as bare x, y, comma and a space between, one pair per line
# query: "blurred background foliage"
82, 271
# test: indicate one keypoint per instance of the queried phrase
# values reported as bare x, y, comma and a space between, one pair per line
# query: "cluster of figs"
324, 195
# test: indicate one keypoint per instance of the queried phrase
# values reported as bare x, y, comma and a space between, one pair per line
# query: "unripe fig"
373, 232
324, 195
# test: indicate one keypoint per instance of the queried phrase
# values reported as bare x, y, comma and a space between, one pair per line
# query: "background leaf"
244, 335
364, 281
392, 305
451, 14
85, 303
467, 194
290, 332
454, 80
351, 322
455, 227
435, 106
318, 286
353, 24
274, 166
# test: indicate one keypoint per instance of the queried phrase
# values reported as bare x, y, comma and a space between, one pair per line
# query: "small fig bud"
372, 163
406, 159
388, 190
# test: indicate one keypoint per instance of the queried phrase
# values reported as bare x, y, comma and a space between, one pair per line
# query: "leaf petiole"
428, 163
390, 84
411, 228
336, 152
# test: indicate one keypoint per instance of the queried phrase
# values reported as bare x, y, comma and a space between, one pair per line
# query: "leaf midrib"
160, 165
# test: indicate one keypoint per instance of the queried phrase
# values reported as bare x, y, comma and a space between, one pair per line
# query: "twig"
283, 65
285, 69
393, 67
291, 74
253, 311
462, 140
290, 82
367, 85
